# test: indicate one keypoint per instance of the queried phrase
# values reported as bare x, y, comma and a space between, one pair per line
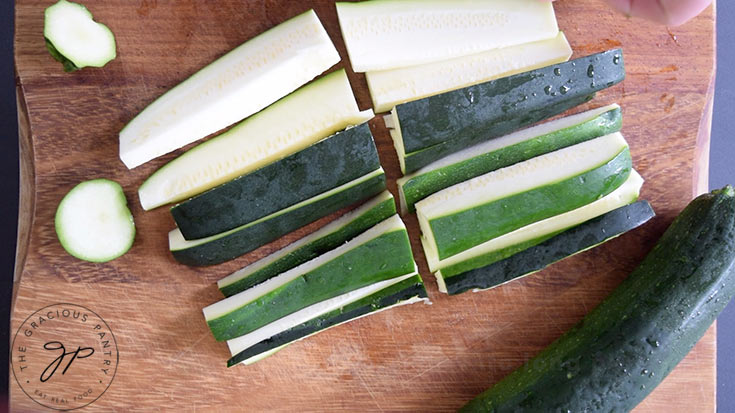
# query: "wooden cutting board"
414, 358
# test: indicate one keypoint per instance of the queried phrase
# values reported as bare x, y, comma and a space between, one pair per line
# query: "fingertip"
668, 12
621, 5
678, 12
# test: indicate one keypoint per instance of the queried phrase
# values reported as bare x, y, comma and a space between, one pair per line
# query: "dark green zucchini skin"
380, 212
626, 346
572, 241
417, 160
436, 126
254, 236
69, 66
404, 290
332, 162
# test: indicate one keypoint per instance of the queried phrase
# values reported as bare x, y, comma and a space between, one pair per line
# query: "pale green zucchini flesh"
389, 88
93, 222
311, 246
497, 248
74, 39
381, 296
286, 127
538, 254
233, 243
505, 151
235, 86
382, 35
468, 214
382, 252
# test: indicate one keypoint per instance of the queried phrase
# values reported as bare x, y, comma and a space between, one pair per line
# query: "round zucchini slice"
93, 221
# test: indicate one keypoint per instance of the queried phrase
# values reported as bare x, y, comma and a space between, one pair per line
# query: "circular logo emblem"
64, 356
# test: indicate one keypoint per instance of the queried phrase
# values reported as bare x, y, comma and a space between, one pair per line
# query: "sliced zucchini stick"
407, 289
382, 252
93, 221
505, 151
430, 128
382, 35
75, 39
506, 245
311, 246
389, 88
235, 242
235, 86
297, 121
533, 259
327, 164
468, 214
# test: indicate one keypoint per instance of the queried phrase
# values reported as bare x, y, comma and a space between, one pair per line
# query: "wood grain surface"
415, 358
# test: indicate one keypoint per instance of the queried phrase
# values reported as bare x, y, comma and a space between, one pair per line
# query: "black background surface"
722, 172
8, 185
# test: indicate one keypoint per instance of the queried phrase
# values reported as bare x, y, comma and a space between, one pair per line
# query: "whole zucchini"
626, 346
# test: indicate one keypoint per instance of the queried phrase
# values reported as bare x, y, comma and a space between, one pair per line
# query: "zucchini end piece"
74, 39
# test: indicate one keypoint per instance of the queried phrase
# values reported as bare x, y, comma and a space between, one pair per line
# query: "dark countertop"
722, 172
8, 185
